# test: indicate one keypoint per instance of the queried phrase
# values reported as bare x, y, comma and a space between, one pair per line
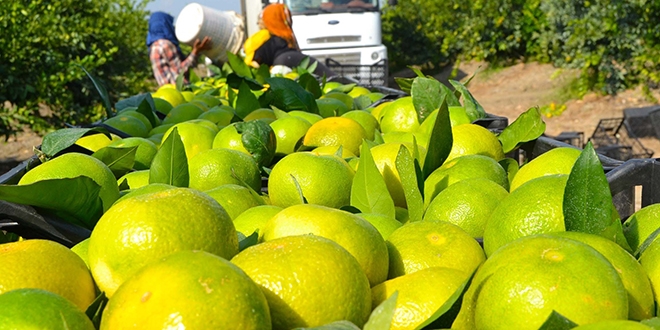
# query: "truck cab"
343, 34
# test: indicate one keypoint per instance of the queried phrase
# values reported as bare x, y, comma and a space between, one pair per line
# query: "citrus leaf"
238, 65
556, 321
246, 102
299, 189
527, 127
287, 95
350, 209
170, 165
245, 242
473, 109
417, 71
144, 103
75, 200
259, 140
120, 160
345, 88
231, 97
193, 77
234, 81
587, 197
263, 72
654, 322
446, 314
105, 97
405, 84
61, 139
7, 237
428, 94
405, 165
310, 84
440, 142
180, 81
362, 102
369, 192
647, 242
511, 167
337, 325
242, 182
381, 317
95, 309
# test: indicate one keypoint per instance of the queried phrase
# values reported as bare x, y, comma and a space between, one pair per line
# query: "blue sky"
173, 7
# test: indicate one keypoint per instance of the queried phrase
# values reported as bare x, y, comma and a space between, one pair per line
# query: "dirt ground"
507, 92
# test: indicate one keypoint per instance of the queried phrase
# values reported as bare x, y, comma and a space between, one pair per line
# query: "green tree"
45, 43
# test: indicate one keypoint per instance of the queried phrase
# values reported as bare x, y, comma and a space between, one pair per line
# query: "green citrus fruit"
533, 208
641, 224
399, 116
287, 270
255, 218
332, 107
289, 131
467, 204
235, 199
40, 309
191, 290
352, 232
365, 119
146, 150
162, 105
135, 179
310, 117
384, 224
215, 167
171, 95
142, 229
472, 139
229, 138
336, 131
555, 161
338, 111
46, 265
195, 137
128, 125
423, 244
323, 180
183, 112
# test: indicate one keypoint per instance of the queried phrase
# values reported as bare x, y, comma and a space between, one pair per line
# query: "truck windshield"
311, 7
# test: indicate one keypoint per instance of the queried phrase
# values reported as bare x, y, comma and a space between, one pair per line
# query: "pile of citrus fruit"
225, 206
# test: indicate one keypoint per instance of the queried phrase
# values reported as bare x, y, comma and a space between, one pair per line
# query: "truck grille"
333, 39
348, 58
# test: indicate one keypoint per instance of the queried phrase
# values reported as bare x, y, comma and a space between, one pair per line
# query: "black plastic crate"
614, 138
368, 75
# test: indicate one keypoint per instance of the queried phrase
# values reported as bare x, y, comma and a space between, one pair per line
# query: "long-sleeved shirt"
166, 63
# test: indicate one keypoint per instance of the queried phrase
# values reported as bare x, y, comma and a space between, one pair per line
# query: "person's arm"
198, 46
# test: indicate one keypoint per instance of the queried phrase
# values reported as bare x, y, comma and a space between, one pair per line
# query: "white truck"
344, 34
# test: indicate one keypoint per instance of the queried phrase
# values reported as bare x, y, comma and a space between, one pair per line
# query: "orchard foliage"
44, 44
615, 44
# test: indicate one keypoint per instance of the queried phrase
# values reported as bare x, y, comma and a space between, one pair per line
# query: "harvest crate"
367, 75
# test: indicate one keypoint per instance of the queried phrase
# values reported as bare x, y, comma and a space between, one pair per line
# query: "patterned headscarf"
277, 20
161, 26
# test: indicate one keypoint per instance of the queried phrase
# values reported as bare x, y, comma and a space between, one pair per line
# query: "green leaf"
120, 160
279, 113
428, 94
180, 82
556, 321
105, 97
57, 141
337, 325
362, 102
246, 102
345, 88
262, 74
259, 140
587, 197
405, 165
287, 95
381, 317
75, 200
417, 71
647, 242
405, 84
238, 65
440, 141
369, 192
246, 242
234, 81
511, 167
299, 189
310, 84
527, 127
95, 309
231, 97
170, 165
473, 109
193, 77
654, 323
445, 315
7, 237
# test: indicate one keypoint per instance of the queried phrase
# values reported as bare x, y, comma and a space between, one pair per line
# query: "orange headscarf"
277, 20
